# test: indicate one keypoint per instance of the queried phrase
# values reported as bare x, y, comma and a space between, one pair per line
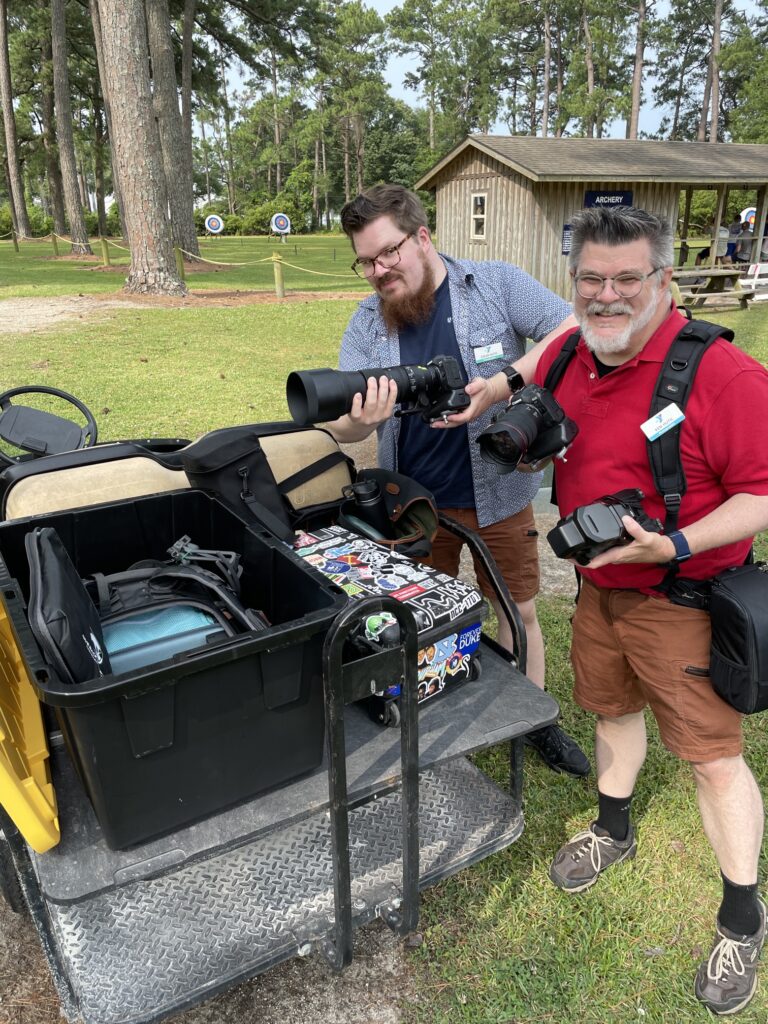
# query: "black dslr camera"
591, 529
434, 391
532, 428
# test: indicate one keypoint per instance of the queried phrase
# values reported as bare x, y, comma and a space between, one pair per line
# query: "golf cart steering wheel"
40, 433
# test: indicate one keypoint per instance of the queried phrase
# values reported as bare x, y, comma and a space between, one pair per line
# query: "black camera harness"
672, 385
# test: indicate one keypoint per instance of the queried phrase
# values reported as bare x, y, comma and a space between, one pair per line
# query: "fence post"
54, 243
104, 251
179, 262
277, 263
15, 239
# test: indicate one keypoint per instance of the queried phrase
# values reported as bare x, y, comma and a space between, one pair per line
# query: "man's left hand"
646, 546
483, 392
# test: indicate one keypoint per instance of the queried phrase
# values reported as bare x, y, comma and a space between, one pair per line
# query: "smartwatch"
682, 550
515, 379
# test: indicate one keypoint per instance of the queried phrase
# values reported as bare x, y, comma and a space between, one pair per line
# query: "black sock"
613, 815
740, 910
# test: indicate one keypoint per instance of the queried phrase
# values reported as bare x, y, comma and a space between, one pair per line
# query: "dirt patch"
24, 316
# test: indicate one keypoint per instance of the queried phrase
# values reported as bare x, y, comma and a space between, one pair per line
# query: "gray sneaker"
579, 863
726, 982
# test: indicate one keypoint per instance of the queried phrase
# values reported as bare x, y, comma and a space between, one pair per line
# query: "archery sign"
214, 224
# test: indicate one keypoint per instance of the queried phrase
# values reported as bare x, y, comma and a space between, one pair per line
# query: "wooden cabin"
512, 197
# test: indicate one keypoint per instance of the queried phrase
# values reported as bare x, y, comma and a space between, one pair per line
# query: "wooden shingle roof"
689, 163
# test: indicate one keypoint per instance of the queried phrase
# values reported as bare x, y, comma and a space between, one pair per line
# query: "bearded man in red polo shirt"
633, 648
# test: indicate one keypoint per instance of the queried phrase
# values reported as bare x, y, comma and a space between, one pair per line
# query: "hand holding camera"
531, 430
592, 529
433, 391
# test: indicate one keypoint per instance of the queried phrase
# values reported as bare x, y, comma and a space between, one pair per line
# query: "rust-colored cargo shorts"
512, 542
630, 650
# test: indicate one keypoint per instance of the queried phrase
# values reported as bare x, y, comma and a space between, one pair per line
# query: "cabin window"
477, 222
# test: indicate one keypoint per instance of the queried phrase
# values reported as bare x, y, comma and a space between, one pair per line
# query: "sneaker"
559, 751
579, 863
726, 982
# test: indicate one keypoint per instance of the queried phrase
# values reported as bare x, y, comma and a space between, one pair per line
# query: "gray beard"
600, 345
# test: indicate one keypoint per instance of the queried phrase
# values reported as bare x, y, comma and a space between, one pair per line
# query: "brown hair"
394, 201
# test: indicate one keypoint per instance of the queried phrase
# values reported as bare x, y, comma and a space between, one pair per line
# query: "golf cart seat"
88, 476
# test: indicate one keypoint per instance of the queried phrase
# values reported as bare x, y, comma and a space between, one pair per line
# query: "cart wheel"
475, 668
392, 714
10, 889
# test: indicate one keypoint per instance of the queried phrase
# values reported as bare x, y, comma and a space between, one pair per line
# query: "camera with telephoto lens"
591, 529
433, 391
532, 428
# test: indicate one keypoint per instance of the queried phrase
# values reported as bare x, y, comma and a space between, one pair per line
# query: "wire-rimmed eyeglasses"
589, 286
387, 259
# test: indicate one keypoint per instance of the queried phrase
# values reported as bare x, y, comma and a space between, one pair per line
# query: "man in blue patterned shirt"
426, 304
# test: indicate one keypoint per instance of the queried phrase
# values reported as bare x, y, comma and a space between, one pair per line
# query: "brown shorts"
512, 542
630, 650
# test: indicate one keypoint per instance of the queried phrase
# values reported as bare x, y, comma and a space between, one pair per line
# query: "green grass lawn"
317, 262
501, 944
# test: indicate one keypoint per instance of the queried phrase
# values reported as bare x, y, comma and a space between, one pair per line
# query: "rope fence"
275, 258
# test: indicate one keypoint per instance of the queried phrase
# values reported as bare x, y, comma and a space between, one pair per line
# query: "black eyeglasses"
589, 286
364, 266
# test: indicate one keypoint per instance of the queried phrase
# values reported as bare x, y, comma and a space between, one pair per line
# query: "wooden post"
15, 239
179, 262
54, 243
277, 263
684, 247
104, 251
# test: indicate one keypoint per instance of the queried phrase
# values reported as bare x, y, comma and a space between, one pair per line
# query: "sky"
397, 67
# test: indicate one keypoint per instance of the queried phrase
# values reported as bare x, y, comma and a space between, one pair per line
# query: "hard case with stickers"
448, 611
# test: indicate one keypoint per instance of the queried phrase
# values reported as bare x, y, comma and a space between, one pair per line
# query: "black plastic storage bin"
174, 742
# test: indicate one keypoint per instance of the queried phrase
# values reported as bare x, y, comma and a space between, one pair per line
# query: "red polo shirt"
723, 441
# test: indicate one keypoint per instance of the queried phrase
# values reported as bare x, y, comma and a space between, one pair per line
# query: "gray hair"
617, 225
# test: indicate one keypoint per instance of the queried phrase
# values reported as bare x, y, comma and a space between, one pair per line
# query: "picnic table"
718, 282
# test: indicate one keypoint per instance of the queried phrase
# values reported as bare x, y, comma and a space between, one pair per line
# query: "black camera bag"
410, 509
738, 667
244, 467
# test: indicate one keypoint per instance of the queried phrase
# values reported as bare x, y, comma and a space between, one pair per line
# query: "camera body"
591, 529
531, 429
433, 391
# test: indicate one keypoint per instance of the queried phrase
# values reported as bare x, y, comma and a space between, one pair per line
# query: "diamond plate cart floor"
133, 936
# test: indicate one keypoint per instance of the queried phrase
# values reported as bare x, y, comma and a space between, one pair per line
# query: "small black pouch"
63, 618
739, 653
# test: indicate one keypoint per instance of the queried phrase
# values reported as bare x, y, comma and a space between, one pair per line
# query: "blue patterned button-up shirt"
491, 303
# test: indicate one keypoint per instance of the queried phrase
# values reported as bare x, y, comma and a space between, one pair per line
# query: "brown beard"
410, 309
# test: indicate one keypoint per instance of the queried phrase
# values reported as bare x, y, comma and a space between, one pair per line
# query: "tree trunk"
326, 196
188, 31
207, 163
52, 169
345, 146
359, 150
230, 162
589, 120
136, 145
63, 104
15, 182
702, 132
96, 20
98, 159
637, 74
277, 127
165, 97
715, 72
545, 85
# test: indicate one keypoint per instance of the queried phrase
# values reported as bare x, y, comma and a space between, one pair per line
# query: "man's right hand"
367, 411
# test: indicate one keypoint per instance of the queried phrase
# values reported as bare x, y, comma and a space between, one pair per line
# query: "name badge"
485, 353
663, 421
